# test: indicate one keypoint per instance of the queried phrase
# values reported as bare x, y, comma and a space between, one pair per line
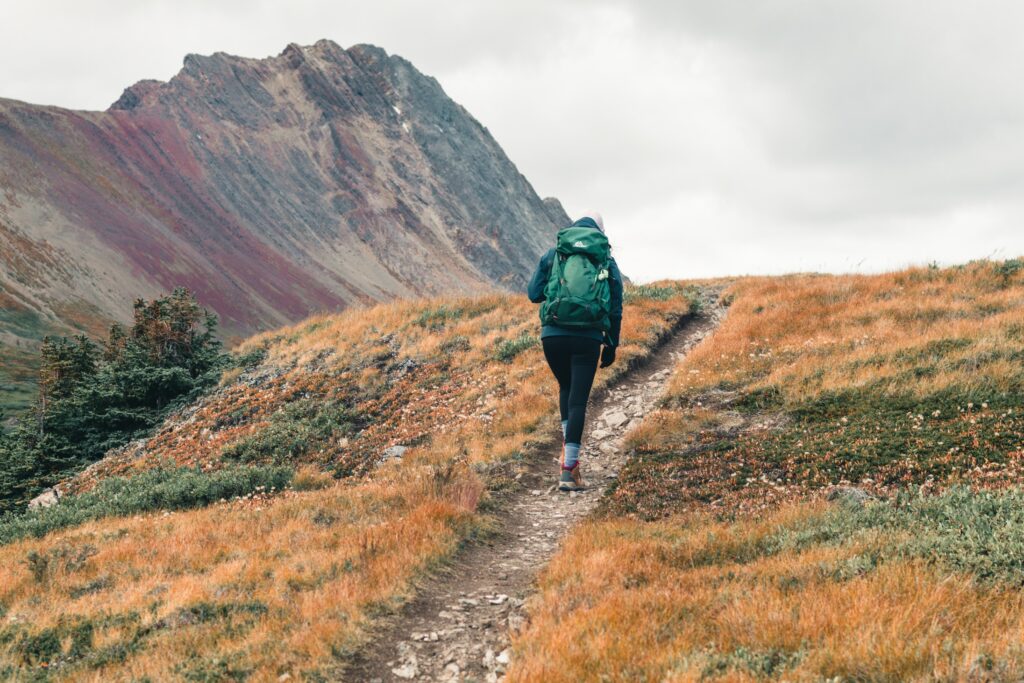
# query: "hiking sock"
565, 426
572, 454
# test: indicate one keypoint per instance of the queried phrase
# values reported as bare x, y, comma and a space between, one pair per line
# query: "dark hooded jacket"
535, 290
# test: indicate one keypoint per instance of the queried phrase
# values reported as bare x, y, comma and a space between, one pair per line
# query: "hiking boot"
571, 479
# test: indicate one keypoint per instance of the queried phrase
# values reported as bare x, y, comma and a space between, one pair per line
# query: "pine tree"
96, 397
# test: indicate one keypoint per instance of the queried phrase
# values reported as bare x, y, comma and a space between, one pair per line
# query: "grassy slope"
717, 554
285, 583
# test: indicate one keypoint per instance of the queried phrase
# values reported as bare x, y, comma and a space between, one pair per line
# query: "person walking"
579, 288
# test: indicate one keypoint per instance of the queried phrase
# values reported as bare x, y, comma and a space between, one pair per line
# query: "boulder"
615, 418
46, 499
392, 453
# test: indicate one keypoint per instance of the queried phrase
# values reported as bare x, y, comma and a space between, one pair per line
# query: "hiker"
579, 288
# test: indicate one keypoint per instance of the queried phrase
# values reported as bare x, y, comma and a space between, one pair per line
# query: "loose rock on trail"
459, 624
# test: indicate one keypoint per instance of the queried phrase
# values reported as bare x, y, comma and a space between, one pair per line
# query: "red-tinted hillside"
273, 188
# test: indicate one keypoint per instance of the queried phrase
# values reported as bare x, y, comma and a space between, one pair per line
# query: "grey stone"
849, 495
409, 669
392, 453
615, 418
46, 499
406, 366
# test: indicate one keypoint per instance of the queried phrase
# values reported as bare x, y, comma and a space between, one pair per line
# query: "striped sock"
572, 454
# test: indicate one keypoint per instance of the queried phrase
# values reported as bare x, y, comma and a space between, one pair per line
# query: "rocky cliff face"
273, 188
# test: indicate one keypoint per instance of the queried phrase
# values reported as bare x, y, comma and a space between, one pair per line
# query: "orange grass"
485, 407
293, 580
893, 374
317, 561
690, 600
809, 334
691, 597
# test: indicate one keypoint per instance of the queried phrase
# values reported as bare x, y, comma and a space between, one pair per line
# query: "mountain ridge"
274, 188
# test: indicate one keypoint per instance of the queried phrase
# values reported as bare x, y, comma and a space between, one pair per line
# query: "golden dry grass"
487, 408
688, 601
317, 562
810, 381
809, 334
286, 584
882, 381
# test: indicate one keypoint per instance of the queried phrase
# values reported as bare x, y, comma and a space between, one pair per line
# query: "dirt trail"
458, 626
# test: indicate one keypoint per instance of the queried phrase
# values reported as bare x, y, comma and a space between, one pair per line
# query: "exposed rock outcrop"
273, 188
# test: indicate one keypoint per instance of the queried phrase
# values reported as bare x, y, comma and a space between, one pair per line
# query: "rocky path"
458, 627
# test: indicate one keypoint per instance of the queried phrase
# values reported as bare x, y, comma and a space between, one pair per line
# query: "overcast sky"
716, 136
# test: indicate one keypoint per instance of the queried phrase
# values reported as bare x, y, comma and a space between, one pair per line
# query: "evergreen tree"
93, 398
64, 365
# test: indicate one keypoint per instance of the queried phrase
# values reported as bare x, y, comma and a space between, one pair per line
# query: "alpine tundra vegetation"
829, 491
310, 523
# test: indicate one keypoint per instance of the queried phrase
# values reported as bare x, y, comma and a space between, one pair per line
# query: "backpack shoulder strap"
555, 273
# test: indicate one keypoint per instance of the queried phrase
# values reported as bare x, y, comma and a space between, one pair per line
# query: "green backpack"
577, 294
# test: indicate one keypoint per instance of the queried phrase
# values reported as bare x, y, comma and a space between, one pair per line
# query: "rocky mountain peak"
273, 188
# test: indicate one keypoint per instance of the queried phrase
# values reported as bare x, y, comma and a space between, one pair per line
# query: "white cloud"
716, 137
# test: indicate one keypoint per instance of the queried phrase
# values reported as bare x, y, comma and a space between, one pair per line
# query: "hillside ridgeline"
272, 188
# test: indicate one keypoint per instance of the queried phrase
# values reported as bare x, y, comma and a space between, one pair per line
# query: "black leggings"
574, 362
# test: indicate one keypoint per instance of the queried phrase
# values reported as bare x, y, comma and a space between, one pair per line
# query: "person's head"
594, 216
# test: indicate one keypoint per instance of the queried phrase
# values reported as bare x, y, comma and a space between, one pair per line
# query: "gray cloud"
916, 96
717, 137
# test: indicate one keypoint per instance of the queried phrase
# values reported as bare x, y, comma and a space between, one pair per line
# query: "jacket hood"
586, 222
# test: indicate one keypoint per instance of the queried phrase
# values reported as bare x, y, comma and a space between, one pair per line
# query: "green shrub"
39, 647
64, 557
980, 533
250, 359
760, 663
215, 669
1007, 269
695, 297
436, 318
205, 612
863, 432
635, 292
456, 344
95, 397
299, 428
95, 586
507, 349
976, 532
161, 489
71, 643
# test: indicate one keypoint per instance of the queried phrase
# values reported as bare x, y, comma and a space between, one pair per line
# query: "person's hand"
607, 356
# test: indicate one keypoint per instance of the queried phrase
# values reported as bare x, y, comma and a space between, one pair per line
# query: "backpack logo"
578, 243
